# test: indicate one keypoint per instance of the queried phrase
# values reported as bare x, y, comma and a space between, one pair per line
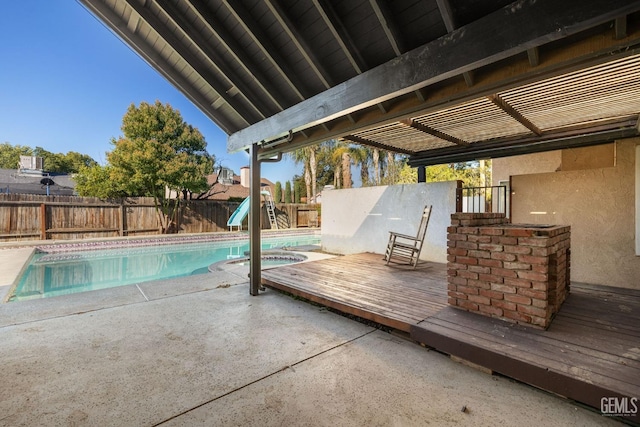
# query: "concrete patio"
200, 350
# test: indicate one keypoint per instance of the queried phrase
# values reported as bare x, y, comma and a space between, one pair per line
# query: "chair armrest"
402, 236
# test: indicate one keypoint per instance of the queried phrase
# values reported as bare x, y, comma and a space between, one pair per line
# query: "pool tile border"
128, 243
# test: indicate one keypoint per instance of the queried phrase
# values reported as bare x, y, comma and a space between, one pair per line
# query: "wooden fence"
32, 217
295, 215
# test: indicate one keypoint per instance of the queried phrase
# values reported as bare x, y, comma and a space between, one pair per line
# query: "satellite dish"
47, 181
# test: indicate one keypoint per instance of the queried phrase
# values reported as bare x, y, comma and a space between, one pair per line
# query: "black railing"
483, 199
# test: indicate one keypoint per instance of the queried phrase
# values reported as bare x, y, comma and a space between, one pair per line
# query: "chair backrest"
424, 222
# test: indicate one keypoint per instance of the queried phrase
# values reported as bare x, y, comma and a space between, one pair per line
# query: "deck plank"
363, 285
590, 351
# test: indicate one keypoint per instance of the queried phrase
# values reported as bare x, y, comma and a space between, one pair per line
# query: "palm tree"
392, 168
341, 159
307, 156
375, 155
313, 168
361, 156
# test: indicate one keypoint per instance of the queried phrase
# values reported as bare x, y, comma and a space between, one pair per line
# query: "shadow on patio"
590, 352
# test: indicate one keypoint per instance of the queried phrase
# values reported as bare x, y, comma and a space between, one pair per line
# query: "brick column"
514, 272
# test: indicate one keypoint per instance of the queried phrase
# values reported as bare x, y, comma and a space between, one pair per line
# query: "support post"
422, 173
255, 276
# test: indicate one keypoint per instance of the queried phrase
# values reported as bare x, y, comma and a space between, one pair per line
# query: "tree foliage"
96, 181
71, 162
308, 157
278, 192
159, 156
472, 174
334, 161
407, 174
287, 192
10, 155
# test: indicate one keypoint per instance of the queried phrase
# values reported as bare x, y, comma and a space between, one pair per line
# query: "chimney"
244, 176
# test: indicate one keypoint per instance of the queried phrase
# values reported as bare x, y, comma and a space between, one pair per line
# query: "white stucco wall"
359, 219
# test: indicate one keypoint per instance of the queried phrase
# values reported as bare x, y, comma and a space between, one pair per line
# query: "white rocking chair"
407, 248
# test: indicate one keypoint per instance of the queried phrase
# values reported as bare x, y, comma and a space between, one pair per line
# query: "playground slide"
236, 218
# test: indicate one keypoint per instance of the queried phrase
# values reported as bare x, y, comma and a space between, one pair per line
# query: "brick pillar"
514, 272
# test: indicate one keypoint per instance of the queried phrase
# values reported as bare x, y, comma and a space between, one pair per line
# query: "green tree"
407, 174
308, 157
278, 192
287, 192
53, 162
472, 174
325, 169
76, 161
341, 158
158, 155
10, 155
362, 156
392, 168
298, 189
95, 181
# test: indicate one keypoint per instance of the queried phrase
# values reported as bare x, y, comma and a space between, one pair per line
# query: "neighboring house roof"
12, 181
230, 189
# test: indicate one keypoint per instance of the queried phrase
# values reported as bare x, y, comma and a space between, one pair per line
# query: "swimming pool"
59, 273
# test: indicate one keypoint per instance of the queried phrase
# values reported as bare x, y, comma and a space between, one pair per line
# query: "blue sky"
66, 81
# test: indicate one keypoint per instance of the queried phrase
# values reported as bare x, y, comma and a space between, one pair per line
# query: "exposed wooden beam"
451, 24
212, 80
495, 37
271, 53
341, 35
246, 62
391, 30
468, 78
215, 60
504, 106
372, 143
534, 56
133, 22
421, 94
448, 17
620, 26
389, 26
298, 39
337, 28
431, 131
155, 60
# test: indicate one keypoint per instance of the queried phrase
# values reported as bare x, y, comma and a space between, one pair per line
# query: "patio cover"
439, 80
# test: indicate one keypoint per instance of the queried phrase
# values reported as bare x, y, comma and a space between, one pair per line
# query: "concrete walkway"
201, 351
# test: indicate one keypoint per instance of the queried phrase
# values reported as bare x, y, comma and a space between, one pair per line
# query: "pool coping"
14, 263
52, 246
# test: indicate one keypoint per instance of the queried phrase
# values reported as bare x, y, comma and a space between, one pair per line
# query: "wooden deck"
363, 285
591, 351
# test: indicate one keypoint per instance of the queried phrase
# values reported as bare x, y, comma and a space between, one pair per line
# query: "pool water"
49, 275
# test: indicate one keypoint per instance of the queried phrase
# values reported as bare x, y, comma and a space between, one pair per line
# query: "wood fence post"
121, 230
43, 221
